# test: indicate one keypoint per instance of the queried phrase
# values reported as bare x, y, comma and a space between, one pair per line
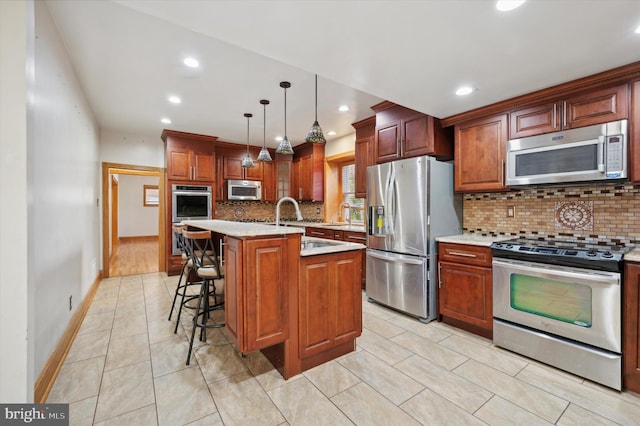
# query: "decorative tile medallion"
574, 215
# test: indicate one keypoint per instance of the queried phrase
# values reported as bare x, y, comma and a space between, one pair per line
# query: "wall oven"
561, 305
189, 202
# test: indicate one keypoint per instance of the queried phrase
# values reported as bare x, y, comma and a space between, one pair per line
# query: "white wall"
134, 219
64, 217
16, 301
126, 148
345, 143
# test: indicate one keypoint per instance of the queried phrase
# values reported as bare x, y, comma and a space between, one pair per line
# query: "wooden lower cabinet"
329, 304
465, 297
257, 281
631, 328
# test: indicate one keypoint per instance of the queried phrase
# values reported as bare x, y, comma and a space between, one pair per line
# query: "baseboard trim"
49, 373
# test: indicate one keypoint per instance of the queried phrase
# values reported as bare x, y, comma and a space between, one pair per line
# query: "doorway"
134, 251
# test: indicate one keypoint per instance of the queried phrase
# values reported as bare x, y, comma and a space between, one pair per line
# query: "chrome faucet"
295, 203
347, 206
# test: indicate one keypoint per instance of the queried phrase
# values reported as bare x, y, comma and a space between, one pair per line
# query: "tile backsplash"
597, 213
258, 211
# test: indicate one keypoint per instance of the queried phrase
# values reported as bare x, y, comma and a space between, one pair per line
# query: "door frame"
109, 169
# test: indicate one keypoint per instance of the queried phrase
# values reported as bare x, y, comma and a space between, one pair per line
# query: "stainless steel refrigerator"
409, 203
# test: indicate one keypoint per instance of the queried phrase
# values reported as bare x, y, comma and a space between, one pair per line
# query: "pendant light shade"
264, 152
315, 134
247, 162
285, 146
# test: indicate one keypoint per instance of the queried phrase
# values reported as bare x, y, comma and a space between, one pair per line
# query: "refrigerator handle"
396, 259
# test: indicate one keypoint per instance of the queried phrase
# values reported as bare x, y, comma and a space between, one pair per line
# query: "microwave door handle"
601, 147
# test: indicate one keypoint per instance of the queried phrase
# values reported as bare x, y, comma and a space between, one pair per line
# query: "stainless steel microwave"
592, 153
245, 190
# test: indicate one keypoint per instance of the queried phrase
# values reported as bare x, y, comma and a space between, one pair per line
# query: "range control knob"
592, 253
607, 255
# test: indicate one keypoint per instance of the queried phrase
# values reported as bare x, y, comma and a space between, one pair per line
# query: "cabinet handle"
564, 114
502, 166
221, 253
457, 253
555, 110
439, 279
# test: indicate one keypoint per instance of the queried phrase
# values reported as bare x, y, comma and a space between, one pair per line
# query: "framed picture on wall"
151, 196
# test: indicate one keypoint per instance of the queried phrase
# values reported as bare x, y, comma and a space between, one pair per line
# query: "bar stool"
199, 245
186, 266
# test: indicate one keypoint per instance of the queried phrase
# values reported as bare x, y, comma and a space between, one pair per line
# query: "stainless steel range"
560, 303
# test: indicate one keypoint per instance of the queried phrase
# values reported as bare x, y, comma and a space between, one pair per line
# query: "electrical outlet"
318, 210
511, 211
71, 302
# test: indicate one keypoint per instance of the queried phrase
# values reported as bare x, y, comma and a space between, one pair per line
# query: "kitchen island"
297, 299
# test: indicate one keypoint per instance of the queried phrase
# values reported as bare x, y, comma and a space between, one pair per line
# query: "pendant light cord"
247, 136
264, 126
285, 112
316, 97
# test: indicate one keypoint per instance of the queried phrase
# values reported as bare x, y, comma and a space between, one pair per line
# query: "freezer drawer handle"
394, 258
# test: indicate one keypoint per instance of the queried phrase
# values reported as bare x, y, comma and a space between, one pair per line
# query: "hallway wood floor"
133, 256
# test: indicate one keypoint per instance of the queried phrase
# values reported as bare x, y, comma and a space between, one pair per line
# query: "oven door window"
192, 206
559, 300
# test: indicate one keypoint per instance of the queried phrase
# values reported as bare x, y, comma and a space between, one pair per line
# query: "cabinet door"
535, 120
330, 301
284, 177
631, 328
254, 173
362, 161
232, 168
480, 147
305, 178
596, 107
465, 294
386, 146
179, 164
415, 136
267, 293
634, 139
268, 181
204, 167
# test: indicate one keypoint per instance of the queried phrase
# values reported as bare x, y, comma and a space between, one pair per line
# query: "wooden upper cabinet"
365, 138
480, 148
594, 107
308, 172
634, 139
403, 133
232, 165
189, 156
268, 181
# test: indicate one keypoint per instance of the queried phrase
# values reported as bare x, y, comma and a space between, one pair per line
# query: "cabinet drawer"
355, 237
318, 232
465, 254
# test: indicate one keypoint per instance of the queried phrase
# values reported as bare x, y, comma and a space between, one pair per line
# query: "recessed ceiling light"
465, 90
175, 99
279, 138
191, 62
506, 5
343, 108
331, 133
166, 121
638, 30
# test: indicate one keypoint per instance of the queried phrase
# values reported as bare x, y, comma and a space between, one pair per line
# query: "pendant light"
247, 162
315, 134
264, 152
285, 146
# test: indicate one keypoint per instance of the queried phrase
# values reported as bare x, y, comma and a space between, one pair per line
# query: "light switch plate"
511, 211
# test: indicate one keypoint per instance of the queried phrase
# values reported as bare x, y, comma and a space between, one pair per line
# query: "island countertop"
242, 229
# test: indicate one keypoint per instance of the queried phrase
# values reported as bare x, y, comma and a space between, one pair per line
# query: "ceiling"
128, 57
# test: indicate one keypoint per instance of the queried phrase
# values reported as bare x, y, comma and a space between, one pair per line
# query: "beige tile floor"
127, 367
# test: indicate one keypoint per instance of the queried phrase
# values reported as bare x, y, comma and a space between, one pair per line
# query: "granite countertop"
339, 226
242, 229
632, 256
472, 239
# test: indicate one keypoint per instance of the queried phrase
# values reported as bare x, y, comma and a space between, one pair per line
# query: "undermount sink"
310, 244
